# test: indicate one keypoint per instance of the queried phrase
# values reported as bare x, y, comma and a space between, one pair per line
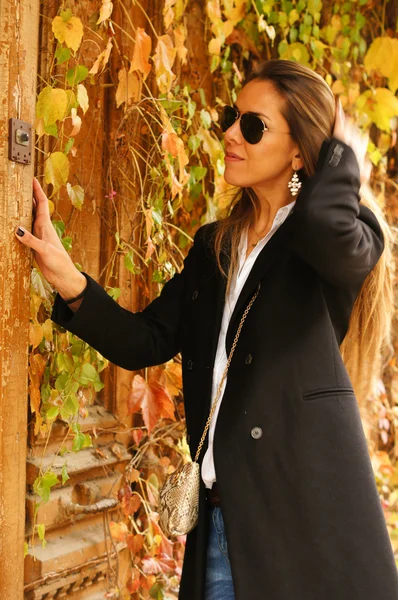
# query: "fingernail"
20, 232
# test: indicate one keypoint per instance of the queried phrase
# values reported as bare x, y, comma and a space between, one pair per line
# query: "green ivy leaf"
52, 130
130, 266
205, 118
76, 75
69, 145
59, 227
52, 413
64, 475
41, 531
88, 374
193, 143
69, 408
25, 549
62, 55
67, 243
114, 293
43, 484
66, 15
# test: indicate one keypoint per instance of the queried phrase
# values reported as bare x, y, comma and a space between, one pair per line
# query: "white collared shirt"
244, 268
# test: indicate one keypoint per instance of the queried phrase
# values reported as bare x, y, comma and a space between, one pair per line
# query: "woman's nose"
233, 133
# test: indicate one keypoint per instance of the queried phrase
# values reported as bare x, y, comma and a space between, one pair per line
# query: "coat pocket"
327, 393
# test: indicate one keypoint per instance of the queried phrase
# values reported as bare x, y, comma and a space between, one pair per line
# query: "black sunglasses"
252, 127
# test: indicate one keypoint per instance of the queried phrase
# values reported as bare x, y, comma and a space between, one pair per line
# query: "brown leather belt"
213, 495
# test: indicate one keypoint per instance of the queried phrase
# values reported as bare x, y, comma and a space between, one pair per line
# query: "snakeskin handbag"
179, 496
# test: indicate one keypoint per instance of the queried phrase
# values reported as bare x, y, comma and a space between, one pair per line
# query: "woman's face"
271, 162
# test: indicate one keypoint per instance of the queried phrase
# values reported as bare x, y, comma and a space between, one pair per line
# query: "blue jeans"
218, 570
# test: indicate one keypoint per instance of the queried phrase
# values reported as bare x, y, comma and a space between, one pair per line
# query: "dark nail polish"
20, 232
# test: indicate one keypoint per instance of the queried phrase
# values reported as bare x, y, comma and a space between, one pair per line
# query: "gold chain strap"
216, 399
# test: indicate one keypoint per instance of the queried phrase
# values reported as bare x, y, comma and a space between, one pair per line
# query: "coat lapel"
273, 249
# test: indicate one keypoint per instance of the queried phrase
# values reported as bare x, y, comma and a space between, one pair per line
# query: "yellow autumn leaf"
180, 36
70, 32
102, 59
76, 123
215, 46
76, 195
129, 88
348, 93
48, 330
35, 334
142, 50
297, 52
39, 126
164, 59
168, 13
214, 10
51, 105
82, 97
382, 56
105, 11
379, 105
235, 11
56, 170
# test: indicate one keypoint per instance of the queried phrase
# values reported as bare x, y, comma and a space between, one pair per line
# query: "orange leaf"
173, 378
180, 35
166, 546
35, 334
142, 50
152, 399
129, 88
134, 473
102, 59
119, 531
135, 542
164, 58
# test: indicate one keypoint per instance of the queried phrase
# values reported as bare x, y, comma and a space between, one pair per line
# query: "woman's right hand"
50, 255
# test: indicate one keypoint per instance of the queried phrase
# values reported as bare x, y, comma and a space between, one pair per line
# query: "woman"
287, 468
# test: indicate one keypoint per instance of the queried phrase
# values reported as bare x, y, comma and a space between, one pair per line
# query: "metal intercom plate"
20, 141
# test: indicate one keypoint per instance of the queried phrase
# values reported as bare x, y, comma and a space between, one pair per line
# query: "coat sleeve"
131, 340
340, 238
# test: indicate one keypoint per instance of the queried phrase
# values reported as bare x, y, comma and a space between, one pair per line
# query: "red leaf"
137, 436
151, 398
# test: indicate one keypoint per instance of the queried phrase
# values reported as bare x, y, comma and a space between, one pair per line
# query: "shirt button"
256, 433
190, 365
248, 359
195, 295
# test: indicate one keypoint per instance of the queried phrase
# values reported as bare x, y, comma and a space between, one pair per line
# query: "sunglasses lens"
229, 115
252, 128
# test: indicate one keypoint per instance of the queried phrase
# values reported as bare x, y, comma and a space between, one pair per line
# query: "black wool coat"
302, 513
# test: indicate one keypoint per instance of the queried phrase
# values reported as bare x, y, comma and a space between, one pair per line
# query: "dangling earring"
294, 184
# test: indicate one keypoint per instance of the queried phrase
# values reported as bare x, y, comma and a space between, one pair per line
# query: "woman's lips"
231, 157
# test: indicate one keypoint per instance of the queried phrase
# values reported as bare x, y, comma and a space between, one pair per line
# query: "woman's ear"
297, 162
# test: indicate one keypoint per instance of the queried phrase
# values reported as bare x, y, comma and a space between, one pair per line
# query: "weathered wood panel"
18, 58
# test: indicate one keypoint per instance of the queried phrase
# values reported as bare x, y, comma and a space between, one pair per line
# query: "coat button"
256, 433
195, 295
248, 359
190, 365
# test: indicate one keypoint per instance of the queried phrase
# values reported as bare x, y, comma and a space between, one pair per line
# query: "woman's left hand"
348, 132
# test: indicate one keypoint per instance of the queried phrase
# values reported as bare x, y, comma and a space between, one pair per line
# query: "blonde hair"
309, 110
